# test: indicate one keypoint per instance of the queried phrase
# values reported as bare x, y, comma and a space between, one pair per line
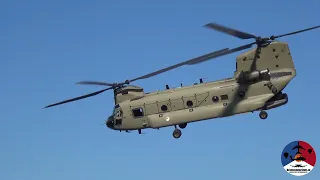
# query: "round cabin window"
189, 103
164, 108
215, 99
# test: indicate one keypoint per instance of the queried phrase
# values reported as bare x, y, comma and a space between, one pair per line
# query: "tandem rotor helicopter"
259, 79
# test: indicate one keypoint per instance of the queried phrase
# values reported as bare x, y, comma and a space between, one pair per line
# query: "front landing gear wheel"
176, 133
263, 115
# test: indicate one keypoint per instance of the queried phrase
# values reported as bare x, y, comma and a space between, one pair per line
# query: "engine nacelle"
276, 101
127, 92
245, 77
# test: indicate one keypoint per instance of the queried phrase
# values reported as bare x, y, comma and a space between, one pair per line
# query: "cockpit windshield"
117, 112
117, 115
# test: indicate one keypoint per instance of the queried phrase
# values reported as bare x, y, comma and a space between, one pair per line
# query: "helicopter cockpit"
115, 120
117, 115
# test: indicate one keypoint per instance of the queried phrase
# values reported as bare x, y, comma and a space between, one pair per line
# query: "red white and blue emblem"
298, 158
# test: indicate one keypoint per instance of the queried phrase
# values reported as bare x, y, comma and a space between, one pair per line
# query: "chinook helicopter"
259, 79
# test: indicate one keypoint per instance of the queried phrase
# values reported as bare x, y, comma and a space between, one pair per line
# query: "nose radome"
109, 122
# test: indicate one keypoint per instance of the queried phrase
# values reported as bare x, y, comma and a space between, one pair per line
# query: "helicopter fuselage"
247, 91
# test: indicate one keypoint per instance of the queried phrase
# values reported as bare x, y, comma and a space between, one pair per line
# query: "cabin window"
164, 108
215, 99
224, 97
189, 103
137, 112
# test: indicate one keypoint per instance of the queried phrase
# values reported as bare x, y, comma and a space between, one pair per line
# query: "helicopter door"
139, 114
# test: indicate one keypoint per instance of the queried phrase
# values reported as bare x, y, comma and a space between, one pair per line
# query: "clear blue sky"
47, 46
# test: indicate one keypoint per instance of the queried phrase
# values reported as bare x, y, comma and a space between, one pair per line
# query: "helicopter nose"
109, 122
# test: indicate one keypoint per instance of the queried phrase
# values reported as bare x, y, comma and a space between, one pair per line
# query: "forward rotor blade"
78, 98
188, 62
296, 32
95, 83
230, 31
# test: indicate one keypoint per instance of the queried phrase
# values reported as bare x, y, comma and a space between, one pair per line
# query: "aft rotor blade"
188, 62
230, 31
192, 61
78, 98
200, 60
95, 83
296, 32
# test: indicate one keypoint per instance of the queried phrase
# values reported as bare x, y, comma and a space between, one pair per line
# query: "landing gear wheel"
176, 133
263, 115
182, 126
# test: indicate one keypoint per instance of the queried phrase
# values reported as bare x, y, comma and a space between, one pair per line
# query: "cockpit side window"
137, 112
118, 114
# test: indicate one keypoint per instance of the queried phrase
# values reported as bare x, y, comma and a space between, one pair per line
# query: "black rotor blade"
95, 83
229, 51
253, 66
188, 62
192, 61
230, 31
78, 98
296, 32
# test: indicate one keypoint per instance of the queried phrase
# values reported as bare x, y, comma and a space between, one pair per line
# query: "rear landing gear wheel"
263, 115
177, 133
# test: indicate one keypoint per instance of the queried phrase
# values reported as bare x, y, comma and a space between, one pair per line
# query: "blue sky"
47, 46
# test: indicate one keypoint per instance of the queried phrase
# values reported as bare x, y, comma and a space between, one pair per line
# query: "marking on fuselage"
168, 118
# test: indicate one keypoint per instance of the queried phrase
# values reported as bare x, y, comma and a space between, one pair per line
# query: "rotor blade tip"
207, 25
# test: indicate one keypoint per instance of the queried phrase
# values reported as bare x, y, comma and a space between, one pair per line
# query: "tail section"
274, 57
